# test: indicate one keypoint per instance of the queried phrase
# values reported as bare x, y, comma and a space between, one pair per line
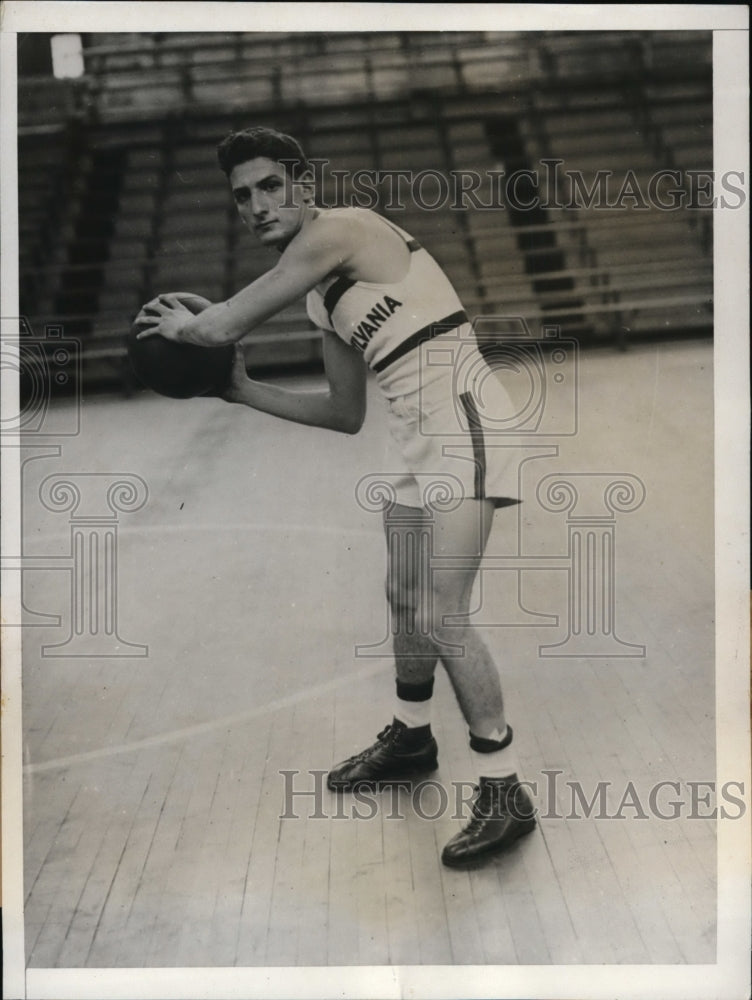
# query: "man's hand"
193, 302
165, 315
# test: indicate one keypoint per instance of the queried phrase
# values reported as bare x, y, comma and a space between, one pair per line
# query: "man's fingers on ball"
145, 331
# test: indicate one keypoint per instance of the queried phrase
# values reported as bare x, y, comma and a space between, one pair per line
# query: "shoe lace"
482, 809
387, 735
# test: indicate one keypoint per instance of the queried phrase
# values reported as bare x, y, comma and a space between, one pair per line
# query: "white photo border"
730, 975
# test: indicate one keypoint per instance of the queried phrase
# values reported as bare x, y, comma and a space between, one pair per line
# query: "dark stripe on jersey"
418, 338
334, 293
479, 445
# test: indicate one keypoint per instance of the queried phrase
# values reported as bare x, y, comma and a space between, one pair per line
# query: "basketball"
180, 371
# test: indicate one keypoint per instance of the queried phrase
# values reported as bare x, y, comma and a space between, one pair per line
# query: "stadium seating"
152, 107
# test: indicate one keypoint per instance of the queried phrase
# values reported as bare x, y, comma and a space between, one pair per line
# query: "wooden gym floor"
154, 786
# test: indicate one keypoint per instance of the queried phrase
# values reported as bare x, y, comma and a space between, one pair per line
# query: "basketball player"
383, 303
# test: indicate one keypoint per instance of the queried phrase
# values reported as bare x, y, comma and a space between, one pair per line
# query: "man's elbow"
351, 425
349, 421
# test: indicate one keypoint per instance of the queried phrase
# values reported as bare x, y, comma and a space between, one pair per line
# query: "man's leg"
406, 746
407, 584
432, 562
459, 540
433, 559
502, 811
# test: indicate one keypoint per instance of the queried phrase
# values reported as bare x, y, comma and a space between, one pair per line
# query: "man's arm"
324, 246
340, 407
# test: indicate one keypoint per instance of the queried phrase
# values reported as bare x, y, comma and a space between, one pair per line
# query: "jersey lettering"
379, 313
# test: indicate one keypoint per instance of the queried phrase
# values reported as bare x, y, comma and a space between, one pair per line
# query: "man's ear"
307, 186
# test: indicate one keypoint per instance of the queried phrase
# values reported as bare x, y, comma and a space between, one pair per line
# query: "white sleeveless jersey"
388, 322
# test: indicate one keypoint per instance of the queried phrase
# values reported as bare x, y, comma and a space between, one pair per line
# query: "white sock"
497, 763
413, 713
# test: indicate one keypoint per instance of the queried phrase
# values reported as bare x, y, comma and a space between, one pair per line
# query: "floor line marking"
200, 728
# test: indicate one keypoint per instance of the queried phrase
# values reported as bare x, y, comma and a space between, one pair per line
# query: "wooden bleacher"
385, 102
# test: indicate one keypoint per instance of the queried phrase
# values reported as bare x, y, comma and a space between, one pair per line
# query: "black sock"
482, 745
413, 707
415, 736
415, 692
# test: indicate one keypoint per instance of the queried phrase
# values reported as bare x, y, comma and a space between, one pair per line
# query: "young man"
384, 303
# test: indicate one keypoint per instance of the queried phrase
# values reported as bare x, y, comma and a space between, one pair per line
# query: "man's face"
269, 203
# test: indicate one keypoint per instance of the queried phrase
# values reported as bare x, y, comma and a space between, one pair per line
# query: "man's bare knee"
401, 596
450, 595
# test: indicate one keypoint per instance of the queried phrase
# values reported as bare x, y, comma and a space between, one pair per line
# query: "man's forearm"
227, 322
215, 326
315, 409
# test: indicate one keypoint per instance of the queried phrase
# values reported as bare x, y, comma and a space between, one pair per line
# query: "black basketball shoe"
398, 752
501, 813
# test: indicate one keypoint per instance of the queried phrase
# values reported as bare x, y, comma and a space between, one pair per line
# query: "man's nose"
259, 206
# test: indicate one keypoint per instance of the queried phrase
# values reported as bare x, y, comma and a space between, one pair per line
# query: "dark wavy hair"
237, 147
